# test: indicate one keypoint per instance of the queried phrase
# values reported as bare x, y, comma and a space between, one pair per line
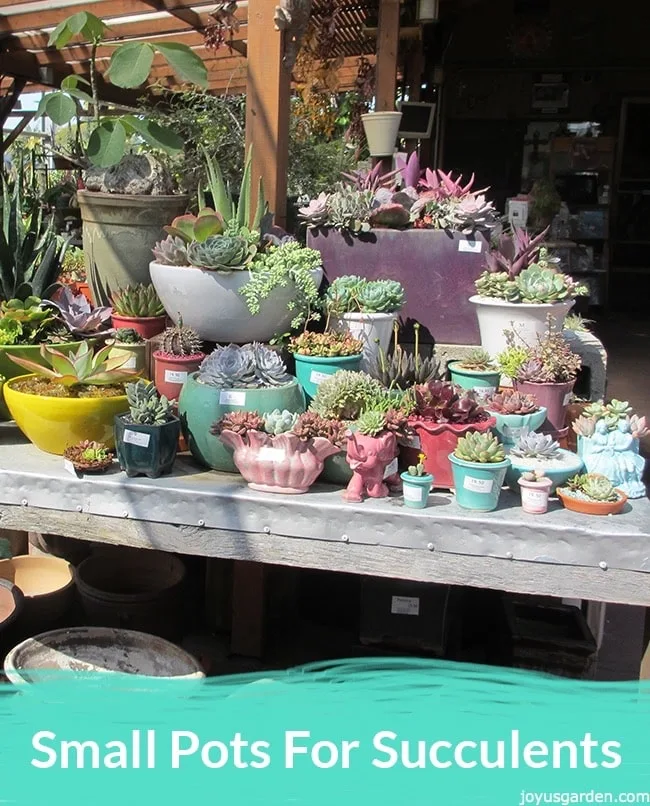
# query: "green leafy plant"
325, 345
352, 294
138, 301
24, 321
480, 448
146, 406
592, 486
130, 67
73, 266
345, 395
511, 360
478, 360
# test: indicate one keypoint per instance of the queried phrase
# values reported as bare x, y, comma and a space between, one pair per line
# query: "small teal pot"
557, 475
478, 486
484, 383
311, 370
416, 490
510, 427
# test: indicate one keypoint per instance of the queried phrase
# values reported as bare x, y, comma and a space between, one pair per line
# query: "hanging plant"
224, 24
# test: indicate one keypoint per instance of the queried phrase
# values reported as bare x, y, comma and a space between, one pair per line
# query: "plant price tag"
405, 605
484, 391
130, 363
172, 376
136, 438
413, 493
228, 397
391, 469
512, 432
318, 377
269, 454
535, 497
70, 468
567, 398
470, 246
478, 485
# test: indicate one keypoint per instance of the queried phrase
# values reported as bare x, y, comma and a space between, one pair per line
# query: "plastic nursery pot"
171, 371
146, 450
478, 485
146, 326
558, 473
509, 427
483, 382
555, 397
416, 489
311, 370
534, 495
135, 355
586, 507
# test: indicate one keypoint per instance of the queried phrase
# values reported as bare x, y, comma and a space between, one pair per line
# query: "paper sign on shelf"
405, 606
136, 438
476, 247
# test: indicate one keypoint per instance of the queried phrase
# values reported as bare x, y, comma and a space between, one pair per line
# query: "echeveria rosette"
229, 367
171, 252
79, 315
223, 253
269, 366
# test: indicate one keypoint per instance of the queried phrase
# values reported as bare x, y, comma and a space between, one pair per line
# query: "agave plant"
139, 301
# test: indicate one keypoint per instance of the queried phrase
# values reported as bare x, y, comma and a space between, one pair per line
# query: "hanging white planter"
381, 132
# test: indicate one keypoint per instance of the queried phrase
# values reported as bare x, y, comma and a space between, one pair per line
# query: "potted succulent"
180, 354
427, 229
476, 371
548, 371
251, 377
540, 452
416, 484
592, 494
217, 272
535, 489
319, 355
80, 317
73, 271
366, 309
479, 466
279, 452
138, 307
520, 288
401, 370
129, 343
128, 197
89, 457
73, 397
442, 414
515, 414
146, 437
608, 443
372, 452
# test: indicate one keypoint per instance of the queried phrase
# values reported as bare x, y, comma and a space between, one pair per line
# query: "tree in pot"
592, 494
180, 354
138, 307
128, 197
320, 355
479, 465
147, 437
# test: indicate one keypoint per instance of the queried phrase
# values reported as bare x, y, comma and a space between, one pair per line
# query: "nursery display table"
216, 515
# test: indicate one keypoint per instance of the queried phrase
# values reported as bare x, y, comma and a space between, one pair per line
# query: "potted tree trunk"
181, 354
479, 466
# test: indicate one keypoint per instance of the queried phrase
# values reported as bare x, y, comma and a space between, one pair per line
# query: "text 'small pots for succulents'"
479, 466
146, 438
233, 379
180, 355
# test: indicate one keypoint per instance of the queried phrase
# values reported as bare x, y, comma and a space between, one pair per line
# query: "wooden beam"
387, 50
267, 106
15, 133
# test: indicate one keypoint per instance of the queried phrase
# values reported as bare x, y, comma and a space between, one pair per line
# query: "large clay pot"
47, 585
119, 232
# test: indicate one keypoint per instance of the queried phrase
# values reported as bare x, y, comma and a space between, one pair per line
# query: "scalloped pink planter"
278, 464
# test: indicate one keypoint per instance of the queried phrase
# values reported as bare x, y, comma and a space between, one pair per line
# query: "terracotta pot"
278, 464
171, 371
11, 603
436, 442
592, 507
84, 288
146, 326
573, 412
554, 397
47, 584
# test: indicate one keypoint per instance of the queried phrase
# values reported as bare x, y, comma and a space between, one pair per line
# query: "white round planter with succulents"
540, 452
520, 287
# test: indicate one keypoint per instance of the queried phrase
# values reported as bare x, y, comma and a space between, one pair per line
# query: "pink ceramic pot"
371, 460
534, 495
555, 397
278, 464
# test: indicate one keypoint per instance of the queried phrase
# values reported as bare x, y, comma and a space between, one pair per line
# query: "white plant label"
534, 497
391, 469
567, 398
476, 247
67, 464
131, 363
512, 432
415, 494
485, 391
405, 606
478, 485
136, 438
269, 454
173, 376
228, 397
318, 377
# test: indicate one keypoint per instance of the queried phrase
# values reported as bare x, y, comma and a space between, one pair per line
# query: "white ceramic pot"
369, 328
381, 132
528, 320
210, 303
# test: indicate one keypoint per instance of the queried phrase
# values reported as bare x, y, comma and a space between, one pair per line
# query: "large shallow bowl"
99, 649
11, 603
47, 584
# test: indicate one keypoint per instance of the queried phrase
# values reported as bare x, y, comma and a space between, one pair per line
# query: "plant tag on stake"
229, 397
70, 468
270, 454
478, 485
318, 377
172, 376
391, 469
136, 438
405, 606
470, 246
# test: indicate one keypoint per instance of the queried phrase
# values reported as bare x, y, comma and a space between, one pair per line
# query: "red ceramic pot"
84, 288
147, 326
171, 371
555, 397
436, 442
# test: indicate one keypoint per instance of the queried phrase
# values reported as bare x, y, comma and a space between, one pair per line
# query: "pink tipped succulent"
371, 180
638, 426
515, 253
316, 212
410, 170
444, 186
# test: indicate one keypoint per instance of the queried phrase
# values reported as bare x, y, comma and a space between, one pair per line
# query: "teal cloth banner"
339, 734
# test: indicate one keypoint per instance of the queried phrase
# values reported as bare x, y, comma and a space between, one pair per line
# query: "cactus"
181, 341
535, 446
279, 422
146, 406
248, 366
344, 395
480, 448
593, 486
511, 402
172, 251
139, 301
477, 360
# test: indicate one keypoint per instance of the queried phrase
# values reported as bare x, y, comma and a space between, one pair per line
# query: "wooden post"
267, 107
387, 50
248, 609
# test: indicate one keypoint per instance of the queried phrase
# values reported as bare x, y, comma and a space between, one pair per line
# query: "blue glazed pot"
200, 405
416, 490
509, 427
558, 475
146, 450
483, 383
312, 370
478, 486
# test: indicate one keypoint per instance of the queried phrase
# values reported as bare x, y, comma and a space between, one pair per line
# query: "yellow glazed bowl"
55, 423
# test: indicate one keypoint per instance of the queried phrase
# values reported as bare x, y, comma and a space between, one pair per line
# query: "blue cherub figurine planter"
608, 443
